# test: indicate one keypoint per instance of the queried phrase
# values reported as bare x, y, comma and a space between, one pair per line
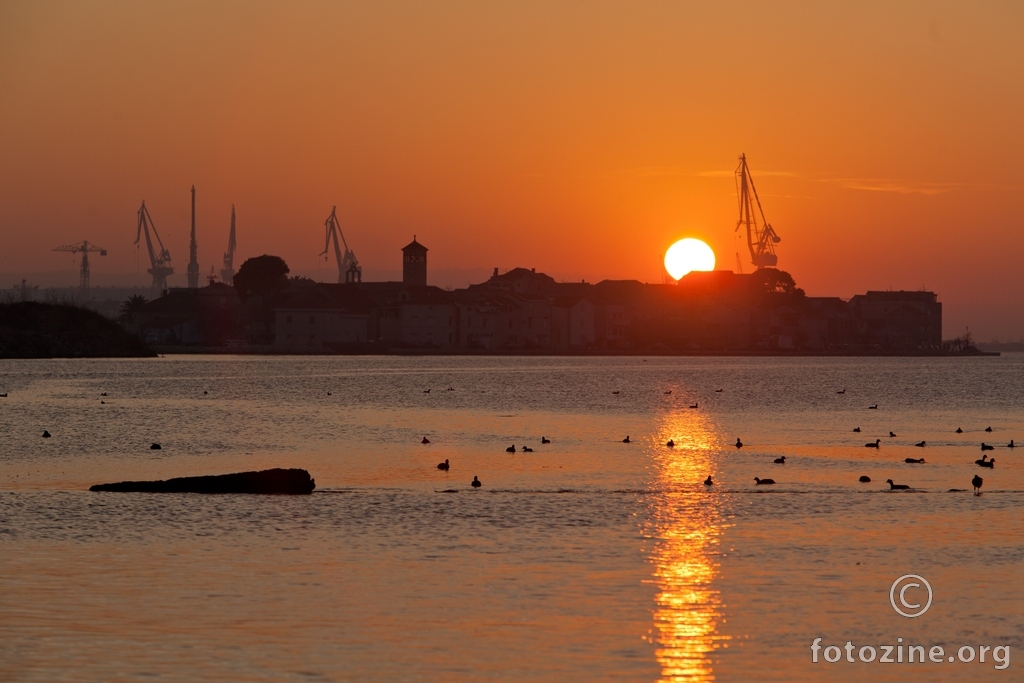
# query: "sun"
686, 255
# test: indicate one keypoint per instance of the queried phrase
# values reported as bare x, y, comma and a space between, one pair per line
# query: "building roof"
414, 246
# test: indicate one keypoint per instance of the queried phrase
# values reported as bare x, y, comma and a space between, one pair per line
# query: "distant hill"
29, 329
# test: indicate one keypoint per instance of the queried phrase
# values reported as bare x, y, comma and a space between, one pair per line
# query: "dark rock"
275, 481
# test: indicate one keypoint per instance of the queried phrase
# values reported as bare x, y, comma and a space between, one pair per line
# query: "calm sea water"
588, 559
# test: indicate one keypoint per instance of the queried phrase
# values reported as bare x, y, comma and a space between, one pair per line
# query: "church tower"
414, 264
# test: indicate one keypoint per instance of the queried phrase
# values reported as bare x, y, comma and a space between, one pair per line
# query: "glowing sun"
686, 255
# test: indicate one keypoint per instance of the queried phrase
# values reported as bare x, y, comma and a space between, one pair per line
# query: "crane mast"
159, 259
227, 273
761, 239
348, 262
83, 248
193, 260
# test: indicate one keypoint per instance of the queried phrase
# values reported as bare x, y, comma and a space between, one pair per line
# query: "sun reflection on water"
688, 523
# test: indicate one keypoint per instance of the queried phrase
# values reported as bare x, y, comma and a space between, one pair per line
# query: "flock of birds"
976, 482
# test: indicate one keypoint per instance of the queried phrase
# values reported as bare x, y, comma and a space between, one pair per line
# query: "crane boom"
761, 239
83, 248
348, 261
227, 273
160, 261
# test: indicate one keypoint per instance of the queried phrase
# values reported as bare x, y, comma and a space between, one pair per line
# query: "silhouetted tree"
266, 277
775, 281
132, 305
263, 276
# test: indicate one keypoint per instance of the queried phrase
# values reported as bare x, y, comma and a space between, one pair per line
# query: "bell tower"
414, 264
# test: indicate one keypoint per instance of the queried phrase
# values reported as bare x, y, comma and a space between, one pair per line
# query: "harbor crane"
84, 248
160, 260
761, 239
227, 272
348, 265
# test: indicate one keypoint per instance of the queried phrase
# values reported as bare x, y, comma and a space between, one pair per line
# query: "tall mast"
227, 273
761, 240
193, 261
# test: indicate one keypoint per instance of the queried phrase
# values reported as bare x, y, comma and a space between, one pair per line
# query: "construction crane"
227, 273
193, 260
761, 240
83, 248
160, 260
347, 263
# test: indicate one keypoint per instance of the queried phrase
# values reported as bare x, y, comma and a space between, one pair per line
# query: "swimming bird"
876, 444
511, 449
864, 479
626, 440
986, 447
615, 392
328, 393
894, 487
718, 391
739, 444
780, 461
874, 407
527, 449
891, 435
444, 465
103, 403
671, 443
695, 406
708, 482
919, 444
959, 431
842, 391
46, 434
3, 395
476, 483
205, 393
668, 392
425, 440
1011, 444
982, 462
991, 464
977, 482
988, 429
763, 482
857, 429
154, 446
911, 461
545, 439
426, 391
103, 393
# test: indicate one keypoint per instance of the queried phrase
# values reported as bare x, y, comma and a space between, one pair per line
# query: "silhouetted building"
414, 264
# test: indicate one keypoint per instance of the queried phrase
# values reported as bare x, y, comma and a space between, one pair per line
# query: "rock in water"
275, 481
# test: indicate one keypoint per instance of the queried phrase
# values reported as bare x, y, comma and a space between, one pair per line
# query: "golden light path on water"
688, 525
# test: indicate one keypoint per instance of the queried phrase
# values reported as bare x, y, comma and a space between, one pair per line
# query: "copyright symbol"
898, 595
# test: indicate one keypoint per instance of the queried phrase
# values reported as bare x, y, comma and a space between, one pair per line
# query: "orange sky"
885, 138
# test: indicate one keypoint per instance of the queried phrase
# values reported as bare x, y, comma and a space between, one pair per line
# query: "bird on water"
959, 431
988, 429
671, 443
986, 447
891, 435
739, 444
895, 487
763, 482
857, 429
911, 461
842, 391
626, 440
527, 449
425, 440
46, 434
695, 406
154, 446
991, 464
545, 439
444, 465
511, 449
874, 407
919, 444
708, 482
982, 462
977, 482
876, 444
780, 461
1011, 444
864, 479
476, 483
